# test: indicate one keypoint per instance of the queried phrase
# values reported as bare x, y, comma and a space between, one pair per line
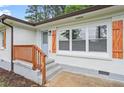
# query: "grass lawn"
10, 79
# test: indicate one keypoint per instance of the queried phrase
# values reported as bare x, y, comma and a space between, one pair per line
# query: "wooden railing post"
43, 69
34, 58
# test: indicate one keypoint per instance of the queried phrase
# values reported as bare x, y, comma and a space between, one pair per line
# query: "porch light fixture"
49, 33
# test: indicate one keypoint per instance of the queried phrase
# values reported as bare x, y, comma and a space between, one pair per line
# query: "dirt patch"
67, 79
10, 79
64, 79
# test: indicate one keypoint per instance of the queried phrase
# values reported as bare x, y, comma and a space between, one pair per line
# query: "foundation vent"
103, 73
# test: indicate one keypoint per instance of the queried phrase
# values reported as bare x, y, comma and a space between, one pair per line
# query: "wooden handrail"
34, 55
42, 65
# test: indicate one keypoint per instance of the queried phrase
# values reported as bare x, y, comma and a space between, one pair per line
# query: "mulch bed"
10, 79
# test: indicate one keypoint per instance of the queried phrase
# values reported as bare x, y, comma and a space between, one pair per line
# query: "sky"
14, 10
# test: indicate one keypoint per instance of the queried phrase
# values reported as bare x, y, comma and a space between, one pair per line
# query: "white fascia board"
97, 13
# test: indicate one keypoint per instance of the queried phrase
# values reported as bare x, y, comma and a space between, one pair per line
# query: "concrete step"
29, 65
25, 69
51, 66
23, 63
52, 72
49, 60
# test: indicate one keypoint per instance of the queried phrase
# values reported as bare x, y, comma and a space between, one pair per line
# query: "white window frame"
78, 27
87, 53
2, 45
100, 24
58, 33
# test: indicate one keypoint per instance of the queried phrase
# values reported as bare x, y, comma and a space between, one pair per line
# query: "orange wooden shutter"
4, 41
54, 42
117, 39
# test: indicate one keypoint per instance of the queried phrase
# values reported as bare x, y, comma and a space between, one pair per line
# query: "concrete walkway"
67, 79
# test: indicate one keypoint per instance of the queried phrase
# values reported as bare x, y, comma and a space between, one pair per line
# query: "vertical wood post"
54, 42
43, 68
34, 58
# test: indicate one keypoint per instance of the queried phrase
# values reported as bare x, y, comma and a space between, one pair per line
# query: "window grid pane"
78, 40
98, 39
1, 38
64, 38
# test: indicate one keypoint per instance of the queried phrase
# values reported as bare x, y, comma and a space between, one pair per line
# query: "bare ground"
67, 79
10, 79
63, 79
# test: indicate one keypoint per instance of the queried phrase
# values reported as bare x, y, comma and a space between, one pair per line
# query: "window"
89, 38
78, 40
64, 37
98, 39
2, 39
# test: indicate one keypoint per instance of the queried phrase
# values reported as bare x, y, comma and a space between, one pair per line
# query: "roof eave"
15, 19
91, 9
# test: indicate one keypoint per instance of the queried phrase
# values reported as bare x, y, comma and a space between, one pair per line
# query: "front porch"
29, 61
32, 63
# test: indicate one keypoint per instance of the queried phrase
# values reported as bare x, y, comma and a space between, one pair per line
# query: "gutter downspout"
11, 42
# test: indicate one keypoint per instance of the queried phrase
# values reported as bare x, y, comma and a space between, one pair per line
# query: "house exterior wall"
93, 61
23, 36
97, 61
5, 54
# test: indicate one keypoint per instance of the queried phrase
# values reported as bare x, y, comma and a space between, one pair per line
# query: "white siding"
90, 63
5, 54
24, 36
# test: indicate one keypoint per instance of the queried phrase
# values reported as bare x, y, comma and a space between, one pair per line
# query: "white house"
89, 41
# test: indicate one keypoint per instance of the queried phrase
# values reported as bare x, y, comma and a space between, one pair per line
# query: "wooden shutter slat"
117, 39
54, 42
